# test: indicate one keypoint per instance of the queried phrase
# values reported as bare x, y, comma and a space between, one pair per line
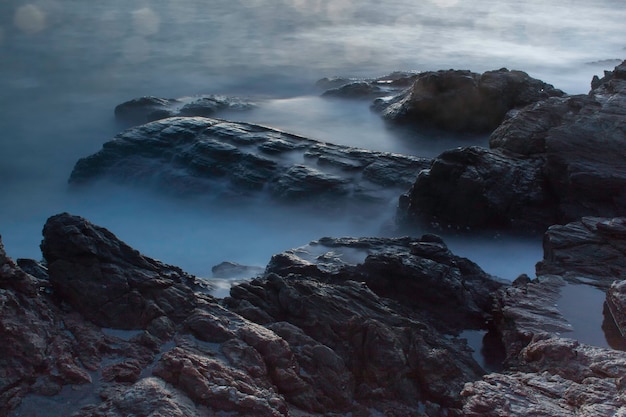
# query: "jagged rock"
396, 361
240, 160
465, 101
527, 309
553, 162
591, 251
147, 109
419, 273
560, 377
107, 281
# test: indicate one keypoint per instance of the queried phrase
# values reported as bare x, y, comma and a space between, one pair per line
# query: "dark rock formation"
551, 162
546, 375
288, 344
200, 156
590, 251
560, 377
419, 273
147, 109
463, 100
108, 282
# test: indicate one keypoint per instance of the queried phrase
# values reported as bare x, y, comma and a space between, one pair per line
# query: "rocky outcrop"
590, 251
560, 377
135, 336
463, 100
107, 281
148, 109
551, 162
219, 159
451, 292
545, 374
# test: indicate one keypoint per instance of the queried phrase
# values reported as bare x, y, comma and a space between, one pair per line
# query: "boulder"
590, 251
107, 281
210, 157
148, 108
459, 100
551, 162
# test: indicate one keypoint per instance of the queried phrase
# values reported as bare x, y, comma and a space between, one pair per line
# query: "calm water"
65, 64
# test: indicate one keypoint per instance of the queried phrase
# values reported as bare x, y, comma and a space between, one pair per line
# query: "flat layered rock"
219, 159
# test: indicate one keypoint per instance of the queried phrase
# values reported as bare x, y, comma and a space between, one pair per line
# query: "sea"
66, 64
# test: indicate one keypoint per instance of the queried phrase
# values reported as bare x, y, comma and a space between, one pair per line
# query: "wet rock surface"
113, 333
220, 159
148, 108
591, 251
546, 374
459, 100
341, 325
551, 162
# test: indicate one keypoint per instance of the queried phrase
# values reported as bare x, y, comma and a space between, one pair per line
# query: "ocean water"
65, 65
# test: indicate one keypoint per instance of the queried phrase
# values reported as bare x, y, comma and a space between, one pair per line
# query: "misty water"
65, 65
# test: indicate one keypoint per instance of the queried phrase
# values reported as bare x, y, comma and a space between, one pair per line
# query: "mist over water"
65, 65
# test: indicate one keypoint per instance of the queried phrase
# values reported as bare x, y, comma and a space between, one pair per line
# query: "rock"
590, 251
465, 101
616, 303
222, 159
108, 282
560, 378
147, 109
354, 88
419, 273
553, 162
474, 188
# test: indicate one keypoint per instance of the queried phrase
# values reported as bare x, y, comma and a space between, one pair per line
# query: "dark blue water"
65, 64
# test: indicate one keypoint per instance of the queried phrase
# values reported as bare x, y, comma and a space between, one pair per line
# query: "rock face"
418, 273
551, 162
148, 109
560, 377
591, 251
463, 100
133, 336
201, 156
108, 282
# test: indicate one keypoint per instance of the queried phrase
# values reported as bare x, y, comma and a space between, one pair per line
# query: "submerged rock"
220, 159
459, 100
147, 109
355, 88
551, 162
